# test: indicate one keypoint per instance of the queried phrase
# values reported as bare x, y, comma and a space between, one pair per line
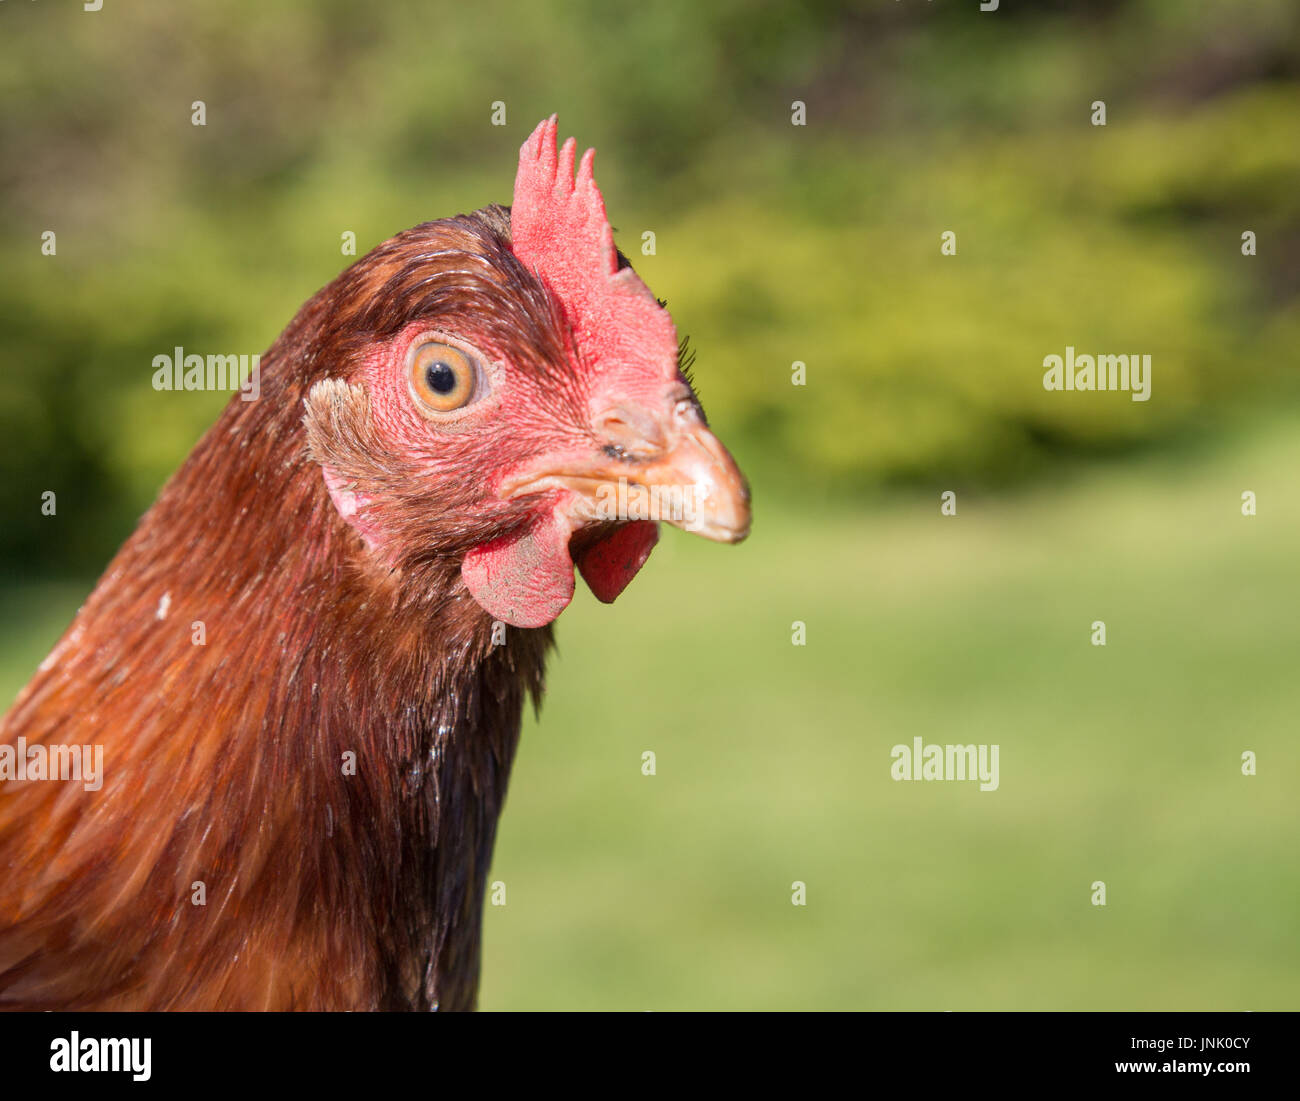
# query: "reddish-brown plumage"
224, 763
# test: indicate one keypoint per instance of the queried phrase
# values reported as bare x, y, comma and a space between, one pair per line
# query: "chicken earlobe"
341, 441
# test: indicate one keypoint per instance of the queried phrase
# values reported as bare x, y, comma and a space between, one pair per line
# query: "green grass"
773, 761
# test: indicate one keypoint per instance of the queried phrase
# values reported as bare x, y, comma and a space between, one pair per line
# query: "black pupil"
440, 378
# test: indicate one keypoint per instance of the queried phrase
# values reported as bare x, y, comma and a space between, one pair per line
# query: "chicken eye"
443, 378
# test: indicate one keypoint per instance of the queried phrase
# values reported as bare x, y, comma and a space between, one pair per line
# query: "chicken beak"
673, 470
694, 485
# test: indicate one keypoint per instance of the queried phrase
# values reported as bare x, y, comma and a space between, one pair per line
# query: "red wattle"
610, 563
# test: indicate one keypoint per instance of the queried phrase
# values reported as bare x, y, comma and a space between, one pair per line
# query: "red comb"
560, 231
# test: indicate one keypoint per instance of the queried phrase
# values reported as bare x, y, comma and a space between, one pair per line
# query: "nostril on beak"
629, 431
612, 426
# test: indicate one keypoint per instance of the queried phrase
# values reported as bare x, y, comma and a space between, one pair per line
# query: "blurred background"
776, 243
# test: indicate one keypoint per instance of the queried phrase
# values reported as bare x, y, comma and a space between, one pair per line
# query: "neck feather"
322, 745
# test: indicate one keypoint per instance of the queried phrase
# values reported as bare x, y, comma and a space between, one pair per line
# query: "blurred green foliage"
775, 243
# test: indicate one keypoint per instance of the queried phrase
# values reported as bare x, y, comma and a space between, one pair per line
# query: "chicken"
307, 665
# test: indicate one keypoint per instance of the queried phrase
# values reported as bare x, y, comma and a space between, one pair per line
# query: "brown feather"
224, 762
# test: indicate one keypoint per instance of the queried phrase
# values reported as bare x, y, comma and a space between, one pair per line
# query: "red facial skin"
522, 422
